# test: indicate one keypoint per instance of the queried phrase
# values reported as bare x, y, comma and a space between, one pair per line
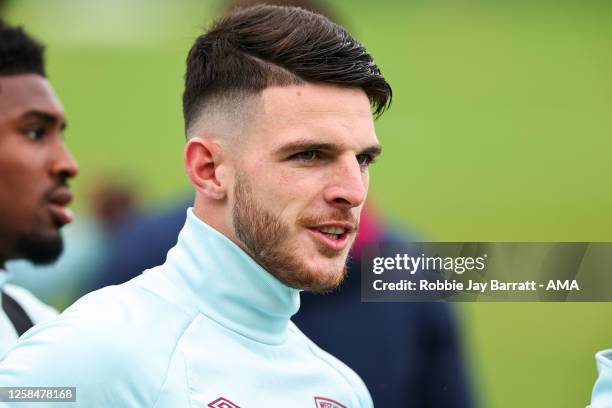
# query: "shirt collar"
228, 286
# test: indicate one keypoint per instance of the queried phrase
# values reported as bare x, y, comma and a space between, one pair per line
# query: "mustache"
335, 216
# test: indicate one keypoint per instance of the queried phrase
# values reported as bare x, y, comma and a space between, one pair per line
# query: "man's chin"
327, 284
40, 250
323, 277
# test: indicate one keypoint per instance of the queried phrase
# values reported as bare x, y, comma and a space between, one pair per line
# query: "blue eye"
365, 160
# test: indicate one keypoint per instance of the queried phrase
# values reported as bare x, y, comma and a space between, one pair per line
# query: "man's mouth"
58, 201
334, 236
333, 233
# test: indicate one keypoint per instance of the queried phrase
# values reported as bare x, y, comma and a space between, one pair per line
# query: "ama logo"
562, 285
321, 402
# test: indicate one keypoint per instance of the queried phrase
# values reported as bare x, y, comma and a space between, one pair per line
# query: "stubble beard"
264, 238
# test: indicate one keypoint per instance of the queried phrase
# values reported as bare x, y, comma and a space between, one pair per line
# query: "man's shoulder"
129, 319
136, 303
121, 338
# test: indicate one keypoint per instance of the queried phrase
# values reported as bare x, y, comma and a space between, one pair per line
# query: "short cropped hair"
257, 47
20, 53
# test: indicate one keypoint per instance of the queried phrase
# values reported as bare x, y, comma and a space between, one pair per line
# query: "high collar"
228, 286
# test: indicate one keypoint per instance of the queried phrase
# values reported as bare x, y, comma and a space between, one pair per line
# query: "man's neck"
227, 285
211, 217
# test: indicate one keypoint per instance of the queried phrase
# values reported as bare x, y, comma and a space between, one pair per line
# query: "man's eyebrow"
373, 151
306, 145
46, 117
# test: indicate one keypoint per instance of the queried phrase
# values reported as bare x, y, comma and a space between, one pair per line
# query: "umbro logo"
222, 403
321, 402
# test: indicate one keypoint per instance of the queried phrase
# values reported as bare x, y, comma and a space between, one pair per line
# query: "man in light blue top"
278, 113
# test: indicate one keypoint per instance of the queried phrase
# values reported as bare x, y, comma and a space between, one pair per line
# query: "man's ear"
201, 159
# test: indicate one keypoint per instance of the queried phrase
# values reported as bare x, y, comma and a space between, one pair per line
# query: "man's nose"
63, 162
348, 187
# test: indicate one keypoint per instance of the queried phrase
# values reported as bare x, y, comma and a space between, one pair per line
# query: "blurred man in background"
34, 169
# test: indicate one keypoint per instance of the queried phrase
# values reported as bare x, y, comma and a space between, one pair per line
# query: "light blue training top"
602, 392
208, 328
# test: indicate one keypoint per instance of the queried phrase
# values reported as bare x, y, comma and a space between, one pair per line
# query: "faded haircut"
257, 47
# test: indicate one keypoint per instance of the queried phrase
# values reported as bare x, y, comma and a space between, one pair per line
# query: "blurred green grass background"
500, 130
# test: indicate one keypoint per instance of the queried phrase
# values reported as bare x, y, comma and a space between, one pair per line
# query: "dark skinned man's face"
34, 168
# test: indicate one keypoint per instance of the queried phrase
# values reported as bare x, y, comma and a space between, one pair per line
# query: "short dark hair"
261, 46
20, 53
